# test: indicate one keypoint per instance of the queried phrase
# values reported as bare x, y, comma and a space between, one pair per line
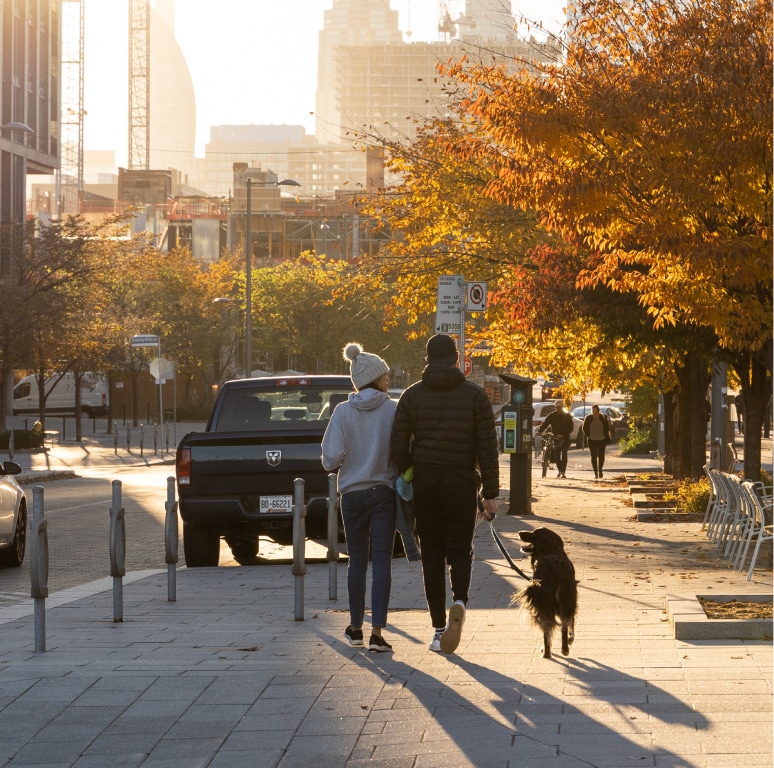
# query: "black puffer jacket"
447, 421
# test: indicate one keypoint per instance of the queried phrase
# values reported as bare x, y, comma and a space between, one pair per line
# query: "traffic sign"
145, 340
162, 370
450, 308
476, 293
467, 366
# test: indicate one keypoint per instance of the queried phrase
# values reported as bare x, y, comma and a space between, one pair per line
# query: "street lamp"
249, 268
18, 180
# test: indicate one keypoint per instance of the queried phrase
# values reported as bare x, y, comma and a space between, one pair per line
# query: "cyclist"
560, 423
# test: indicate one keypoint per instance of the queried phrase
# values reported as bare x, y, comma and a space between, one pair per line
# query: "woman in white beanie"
357, 443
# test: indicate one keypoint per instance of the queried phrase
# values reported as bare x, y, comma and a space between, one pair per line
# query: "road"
78, 514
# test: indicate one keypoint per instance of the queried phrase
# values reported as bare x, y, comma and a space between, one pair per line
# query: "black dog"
552, 597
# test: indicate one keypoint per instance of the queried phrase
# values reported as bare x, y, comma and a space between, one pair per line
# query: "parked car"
617, 420
551, 389
13, 516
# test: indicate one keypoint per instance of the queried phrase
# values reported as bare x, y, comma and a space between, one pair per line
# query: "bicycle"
550, 441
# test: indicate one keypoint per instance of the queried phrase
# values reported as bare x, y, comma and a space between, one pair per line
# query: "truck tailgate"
233, 463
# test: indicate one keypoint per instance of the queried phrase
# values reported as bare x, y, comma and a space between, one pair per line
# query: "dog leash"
502, 549
500, 544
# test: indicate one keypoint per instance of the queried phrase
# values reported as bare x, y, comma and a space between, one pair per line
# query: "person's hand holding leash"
487, 509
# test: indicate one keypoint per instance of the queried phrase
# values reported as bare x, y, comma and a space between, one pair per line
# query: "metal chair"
760, 526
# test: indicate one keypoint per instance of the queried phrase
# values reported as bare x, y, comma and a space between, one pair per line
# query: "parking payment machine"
517, 441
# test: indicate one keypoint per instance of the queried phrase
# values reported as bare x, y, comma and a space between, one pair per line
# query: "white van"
61, 397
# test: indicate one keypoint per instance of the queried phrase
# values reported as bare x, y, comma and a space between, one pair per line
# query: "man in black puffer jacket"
444, 428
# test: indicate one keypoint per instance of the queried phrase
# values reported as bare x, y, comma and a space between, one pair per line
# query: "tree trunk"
681, 424
670, 404
755, 378
700, 415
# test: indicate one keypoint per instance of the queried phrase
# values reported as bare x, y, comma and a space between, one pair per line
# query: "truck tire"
201, 545
244, 548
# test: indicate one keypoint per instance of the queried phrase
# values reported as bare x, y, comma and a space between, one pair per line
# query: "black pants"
445, 509
597, 448
560, 454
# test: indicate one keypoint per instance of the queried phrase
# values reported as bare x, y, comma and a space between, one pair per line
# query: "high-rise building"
30, 68
172, 100
347, 23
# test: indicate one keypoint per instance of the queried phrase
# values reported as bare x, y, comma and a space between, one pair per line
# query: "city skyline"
278, 63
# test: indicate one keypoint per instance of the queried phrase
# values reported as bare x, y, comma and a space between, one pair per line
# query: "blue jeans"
369, 525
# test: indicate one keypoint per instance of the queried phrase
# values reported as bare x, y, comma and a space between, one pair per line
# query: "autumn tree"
51, 301
650, 146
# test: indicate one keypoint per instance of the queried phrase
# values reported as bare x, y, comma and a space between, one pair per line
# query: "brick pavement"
224, 676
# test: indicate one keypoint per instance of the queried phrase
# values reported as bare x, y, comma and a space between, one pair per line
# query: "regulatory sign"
467, 365
145, 340
450, 307
476, 293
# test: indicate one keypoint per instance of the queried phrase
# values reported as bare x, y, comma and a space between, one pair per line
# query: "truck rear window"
286, 408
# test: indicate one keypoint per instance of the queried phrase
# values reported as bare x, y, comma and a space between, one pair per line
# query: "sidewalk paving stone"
224, 677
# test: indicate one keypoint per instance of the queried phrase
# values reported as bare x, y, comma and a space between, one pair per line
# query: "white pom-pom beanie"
364, 367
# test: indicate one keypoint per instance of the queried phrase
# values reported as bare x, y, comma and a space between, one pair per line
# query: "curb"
690, 622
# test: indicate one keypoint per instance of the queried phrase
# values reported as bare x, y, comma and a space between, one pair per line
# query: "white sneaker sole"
450, 639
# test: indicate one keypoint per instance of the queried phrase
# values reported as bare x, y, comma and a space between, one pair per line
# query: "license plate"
272, 505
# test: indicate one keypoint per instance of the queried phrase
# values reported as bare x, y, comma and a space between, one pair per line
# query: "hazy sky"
223, 41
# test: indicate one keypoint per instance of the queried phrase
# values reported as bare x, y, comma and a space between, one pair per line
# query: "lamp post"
249, 268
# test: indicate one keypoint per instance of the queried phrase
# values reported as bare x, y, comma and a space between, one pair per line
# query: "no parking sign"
476, 295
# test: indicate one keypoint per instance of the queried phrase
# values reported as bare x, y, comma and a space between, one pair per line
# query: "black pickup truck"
236, 479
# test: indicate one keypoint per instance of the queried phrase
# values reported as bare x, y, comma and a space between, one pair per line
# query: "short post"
39, 566
333, 538
128, 439
170, 540
10, 445
117, 551
142, 439
155, 440
299, 546
115, 438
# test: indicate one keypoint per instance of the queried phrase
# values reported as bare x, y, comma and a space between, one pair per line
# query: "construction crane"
69, 178
139, 85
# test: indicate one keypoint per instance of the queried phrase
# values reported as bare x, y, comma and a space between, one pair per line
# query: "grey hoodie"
357, 441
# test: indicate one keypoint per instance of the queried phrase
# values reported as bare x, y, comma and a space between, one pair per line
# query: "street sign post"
450, 307
476, 294
145, 340
151, 340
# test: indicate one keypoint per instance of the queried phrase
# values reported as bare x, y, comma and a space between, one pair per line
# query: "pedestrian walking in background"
597, 430
739, 406
560, 423
444, 427
357, 443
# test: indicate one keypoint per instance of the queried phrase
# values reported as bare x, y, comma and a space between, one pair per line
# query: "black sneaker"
378, 644
355, 636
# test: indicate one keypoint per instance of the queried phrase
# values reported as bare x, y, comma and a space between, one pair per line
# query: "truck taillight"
184, 466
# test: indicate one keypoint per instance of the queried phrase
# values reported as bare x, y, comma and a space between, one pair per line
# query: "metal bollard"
299, 546
155, 440
39, 566
170, 540
10, 445
117, 551
142, 439
129, 439
115, 438
333, 538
